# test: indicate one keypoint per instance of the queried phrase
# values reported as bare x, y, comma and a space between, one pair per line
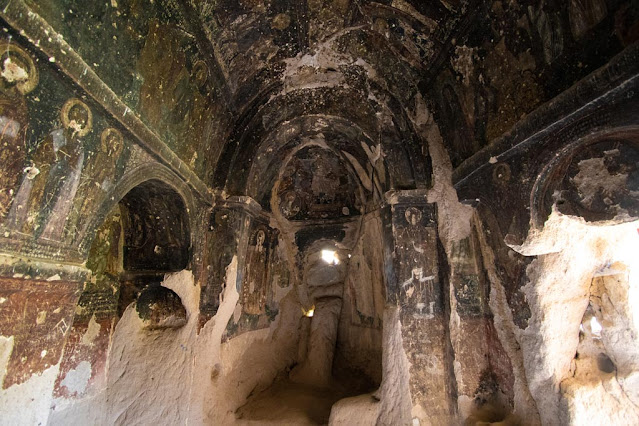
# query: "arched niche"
145, 235
156, 228
315, 184
392, 129
358, 152
595, 177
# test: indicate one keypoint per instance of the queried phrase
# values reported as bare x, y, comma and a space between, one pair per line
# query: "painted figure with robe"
98, 178
254, 287
18, 76
49, 184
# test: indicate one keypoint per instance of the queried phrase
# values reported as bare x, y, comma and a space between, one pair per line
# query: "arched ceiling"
327, 66
249, 40
215, 85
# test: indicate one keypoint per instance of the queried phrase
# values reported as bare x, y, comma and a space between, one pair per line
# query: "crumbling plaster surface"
148, 373
570, 253
177, 376
455, 222
33, 396
453, 217
395, 405
360, 328
148, 378
524, 406
224, 375
248, 364
391, 403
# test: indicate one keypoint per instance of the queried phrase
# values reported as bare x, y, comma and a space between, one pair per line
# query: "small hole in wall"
330, 257
595, 327
605, 364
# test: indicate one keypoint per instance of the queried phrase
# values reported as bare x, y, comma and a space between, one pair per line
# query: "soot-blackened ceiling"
233, 87
358, 64
250, 38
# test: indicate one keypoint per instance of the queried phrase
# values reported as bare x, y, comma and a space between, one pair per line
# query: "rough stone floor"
287, 403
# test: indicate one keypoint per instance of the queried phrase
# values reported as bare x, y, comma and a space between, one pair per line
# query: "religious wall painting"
549, 30
221, 242
315, 184
585, 15
279, 273
265, 281
175, 97
100, 175
290, 204
255, 288
38, 314
18, 77
52, 175
416, 250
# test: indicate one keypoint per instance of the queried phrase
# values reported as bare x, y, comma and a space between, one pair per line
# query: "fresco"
315, 184
51, 179
265, 281
520, 55
60, 154
149, 58
19, 76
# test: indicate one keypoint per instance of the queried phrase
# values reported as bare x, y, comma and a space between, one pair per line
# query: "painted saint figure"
418, 285
254, 287
98, 177
18, 77
49, 184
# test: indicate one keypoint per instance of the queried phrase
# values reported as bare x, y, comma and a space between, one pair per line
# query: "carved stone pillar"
223, 243
413, 282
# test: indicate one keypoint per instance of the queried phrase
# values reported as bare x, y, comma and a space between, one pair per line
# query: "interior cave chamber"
319, 212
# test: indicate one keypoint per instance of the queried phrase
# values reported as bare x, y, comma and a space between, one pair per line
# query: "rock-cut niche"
145, 236
337, 260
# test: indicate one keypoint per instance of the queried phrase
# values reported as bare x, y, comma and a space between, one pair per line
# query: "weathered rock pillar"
413, 283
227, 238
325, 285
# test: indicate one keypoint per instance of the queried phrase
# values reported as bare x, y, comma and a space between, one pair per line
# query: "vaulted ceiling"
335, 68
235, 88
248, 42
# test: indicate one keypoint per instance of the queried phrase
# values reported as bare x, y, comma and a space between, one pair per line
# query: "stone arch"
131, 180
593, 177
341, 136
144, 230
393, 129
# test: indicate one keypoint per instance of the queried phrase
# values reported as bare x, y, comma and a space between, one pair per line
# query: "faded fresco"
60, 155
222, 245
263, 283
19, 76
316, 185
45, 317
149, 58
50, 181
535, 51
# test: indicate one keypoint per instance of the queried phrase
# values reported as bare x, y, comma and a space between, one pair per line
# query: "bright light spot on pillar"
310, 312
595, 327
329, 256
